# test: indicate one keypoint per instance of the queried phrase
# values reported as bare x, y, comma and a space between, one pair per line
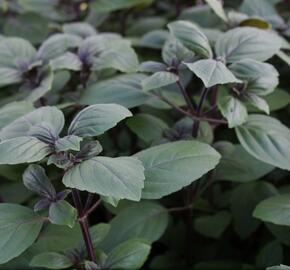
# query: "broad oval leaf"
174, 52
81, 29
244, 199
98, 233
261, 78
9, 76
62, 213
146, 220
57, 45
14, 110
121, 177
125, 90
233, 110
191, 37
23, 125
23, 150
237, 165
212, 72
68, 61
147, 127
274, 210
36, 180
96, 119
213, 226
51, 260
247, 42
159, 79
128, 255
267, 139
217, 7
262, 9
19, 228
120, 57
170, 167
13, 50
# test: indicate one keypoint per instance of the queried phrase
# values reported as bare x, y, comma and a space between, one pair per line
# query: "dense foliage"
142, 134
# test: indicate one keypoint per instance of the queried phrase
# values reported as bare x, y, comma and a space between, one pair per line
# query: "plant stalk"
196, 124
84, 225
187, 98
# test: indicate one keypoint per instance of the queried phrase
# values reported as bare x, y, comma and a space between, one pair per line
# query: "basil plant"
144, 134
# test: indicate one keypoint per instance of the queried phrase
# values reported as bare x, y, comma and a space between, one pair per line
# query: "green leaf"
257, 102
212, 72
36, 180
131, 254
172, 166
217, 7
51, 260
19, 228
70, 142
57, 45
9, 76
262, 78
233, 110
279, 267
159, 79
55, 238
244, 199
267, 139
23, 150
213, 226
146, 220
62, 213
201, 15
22, 126
241, 43
96, 119
68, 61
14, 110
274, 210
81, 29
120, 177
277, 100
98, 233
121, 57
262, 9
31, 26
270, 254
191, 37
147, 127
238, 165
175, 52
125, 90
154, 39
105, 6
15, 49
152, 66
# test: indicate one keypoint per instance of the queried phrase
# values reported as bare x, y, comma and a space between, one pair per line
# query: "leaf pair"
60, 211
36, 134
